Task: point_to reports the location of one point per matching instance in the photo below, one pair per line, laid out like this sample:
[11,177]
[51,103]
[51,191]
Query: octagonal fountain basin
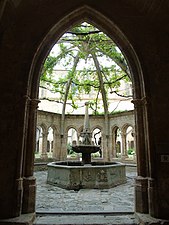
[75,175]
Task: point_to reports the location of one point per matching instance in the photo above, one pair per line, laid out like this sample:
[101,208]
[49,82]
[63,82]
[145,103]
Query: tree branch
[84,33]
[124,96]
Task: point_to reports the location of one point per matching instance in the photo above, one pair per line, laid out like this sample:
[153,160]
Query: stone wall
[122,121]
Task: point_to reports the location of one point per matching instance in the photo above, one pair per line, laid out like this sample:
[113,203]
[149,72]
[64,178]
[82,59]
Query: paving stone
[119,198]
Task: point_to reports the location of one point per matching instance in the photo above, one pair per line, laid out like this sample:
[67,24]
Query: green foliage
[69,149]
[84,41]
[131,151]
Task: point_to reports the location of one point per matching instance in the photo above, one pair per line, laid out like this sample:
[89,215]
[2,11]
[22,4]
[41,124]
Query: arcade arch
[128,141]
[72,139]
[50,139]
[39,132]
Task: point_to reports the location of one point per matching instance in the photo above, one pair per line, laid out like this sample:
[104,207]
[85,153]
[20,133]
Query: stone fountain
[86,147]
[86,174]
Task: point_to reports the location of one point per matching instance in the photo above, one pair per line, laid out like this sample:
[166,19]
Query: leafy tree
[85,43]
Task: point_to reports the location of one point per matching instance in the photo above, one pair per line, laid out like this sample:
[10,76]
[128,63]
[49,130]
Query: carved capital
[34,103]
[26,98]
[140,102]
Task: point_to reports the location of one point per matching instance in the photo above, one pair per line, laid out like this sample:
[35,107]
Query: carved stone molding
[102,176]
[34,103]
[140,102]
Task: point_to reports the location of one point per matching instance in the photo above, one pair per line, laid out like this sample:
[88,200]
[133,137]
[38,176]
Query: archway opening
[71,132]
[72,139]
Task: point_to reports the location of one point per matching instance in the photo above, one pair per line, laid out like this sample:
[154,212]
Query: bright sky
[82,63]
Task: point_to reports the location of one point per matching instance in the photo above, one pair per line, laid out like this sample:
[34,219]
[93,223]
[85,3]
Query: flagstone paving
[54,199]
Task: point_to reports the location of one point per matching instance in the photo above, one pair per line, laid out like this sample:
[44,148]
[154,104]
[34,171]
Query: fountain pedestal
[86,151]
[86,174]
[86,147]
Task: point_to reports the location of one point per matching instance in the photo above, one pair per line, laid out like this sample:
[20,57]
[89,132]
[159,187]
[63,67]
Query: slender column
[57,146]
[152,173]
[44,145]
[105,147]
[124,146]
[110,147]
[113,145]
[29,186]
[134,138]
[63,150]
[141,184]
[54,145]
[18,190]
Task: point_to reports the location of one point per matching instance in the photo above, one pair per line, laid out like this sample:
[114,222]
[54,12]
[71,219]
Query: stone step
[87,219]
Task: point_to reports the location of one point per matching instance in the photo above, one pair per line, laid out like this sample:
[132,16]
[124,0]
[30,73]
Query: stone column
[44,145]
[110,147]
[141,183]
[104,147]
[63,149]
[56,146]
[124,146]
[153,186]
[29,185]
[134,136]
[113,145]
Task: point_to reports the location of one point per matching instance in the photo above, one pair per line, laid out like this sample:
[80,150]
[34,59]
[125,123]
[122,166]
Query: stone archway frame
[90,15]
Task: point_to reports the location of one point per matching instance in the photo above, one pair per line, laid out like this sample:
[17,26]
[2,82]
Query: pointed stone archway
[28,108]
[86,13]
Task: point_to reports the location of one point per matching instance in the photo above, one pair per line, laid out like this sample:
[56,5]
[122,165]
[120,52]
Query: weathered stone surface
[87,176]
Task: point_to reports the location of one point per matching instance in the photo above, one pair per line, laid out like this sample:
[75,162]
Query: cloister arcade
[120,143]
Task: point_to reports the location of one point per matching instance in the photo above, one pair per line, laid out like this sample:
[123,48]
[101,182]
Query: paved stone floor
[56,206]
[54,199]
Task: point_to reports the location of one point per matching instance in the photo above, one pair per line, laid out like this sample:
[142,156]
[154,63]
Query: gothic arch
[97,127]
[88,14]
[52,126]
[43,126]
[125,126]
[128,140]
[71,127]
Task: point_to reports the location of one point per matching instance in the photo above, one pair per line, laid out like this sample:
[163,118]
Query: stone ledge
[24,219]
